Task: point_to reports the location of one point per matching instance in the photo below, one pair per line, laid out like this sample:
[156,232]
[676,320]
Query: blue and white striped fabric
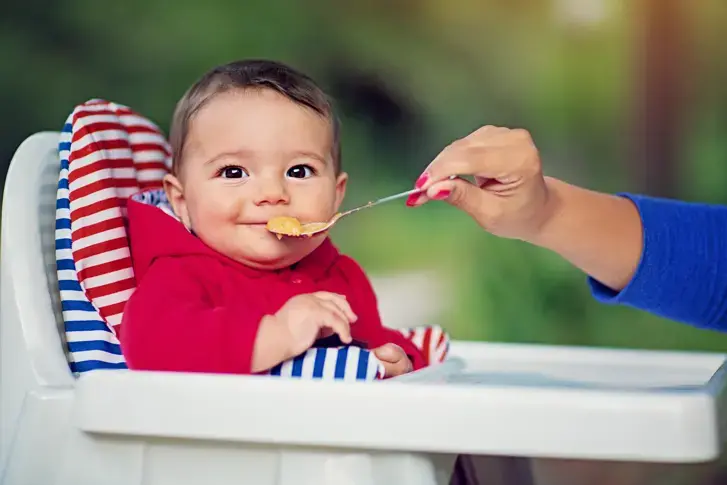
[344,363]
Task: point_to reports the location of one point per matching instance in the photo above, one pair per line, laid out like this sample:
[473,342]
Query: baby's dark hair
[250,74]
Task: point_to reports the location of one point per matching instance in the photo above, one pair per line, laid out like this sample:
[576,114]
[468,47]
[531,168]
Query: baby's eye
[300,172]
[233,172]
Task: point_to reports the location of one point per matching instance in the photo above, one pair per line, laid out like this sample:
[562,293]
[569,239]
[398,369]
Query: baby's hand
[395,360]
[304,318]
[509,198]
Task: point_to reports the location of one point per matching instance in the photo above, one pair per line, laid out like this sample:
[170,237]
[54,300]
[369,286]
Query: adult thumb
[460,193]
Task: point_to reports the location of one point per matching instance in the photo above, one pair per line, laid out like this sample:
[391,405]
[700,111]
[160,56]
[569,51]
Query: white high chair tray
[496,399]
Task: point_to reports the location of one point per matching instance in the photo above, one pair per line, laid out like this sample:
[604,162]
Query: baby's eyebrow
[244,154]
[309,154]
[240,154]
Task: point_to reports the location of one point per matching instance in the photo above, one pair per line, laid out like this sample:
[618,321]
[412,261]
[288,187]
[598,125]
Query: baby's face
[250,156]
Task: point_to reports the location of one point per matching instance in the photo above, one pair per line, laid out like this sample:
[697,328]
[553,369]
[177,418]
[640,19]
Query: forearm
[600,234]
[663,256]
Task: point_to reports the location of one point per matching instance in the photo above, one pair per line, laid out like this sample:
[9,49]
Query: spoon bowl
[292,227]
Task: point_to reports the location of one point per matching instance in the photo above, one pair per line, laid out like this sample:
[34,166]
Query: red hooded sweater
[196,310]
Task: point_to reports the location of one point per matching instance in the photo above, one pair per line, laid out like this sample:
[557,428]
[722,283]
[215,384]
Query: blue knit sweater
[682,274]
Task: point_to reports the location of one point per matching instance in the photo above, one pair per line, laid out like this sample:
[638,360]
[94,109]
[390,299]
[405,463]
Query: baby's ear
[175,196]
[341,182]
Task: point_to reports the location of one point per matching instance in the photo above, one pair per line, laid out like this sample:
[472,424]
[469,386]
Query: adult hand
[509,197]
[599,233]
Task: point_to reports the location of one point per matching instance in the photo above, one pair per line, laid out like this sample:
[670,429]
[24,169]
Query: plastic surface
[119,427]
[489,399]
[582,403]
[30,321]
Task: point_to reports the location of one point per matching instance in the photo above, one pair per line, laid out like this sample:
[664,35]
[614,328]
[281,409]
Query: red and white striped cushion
[114,153]
[431,340]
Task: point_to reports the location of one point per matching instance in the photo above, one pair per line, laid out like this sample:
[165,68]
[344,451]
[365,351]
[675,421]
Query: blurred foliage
[409,77]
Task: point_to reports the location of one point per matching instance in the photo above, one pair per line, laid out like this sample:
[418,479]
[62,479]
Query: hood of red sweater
[154,232]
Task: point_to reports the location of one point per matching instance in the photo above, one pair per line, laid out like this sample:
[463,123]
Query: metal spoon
[292,227]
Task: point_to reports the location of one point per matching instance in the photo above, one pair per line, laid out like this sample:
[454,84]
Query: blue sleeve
[682,274]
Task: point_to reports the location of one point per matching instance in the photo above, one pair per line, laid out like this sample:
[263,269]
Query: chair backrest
[31,325]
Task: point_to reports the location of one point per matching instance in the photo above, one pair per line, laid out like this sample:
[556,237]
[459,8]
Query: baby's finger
[329,295]
[393,369]
[340,301]
[338,325]
[335,309]
[389,353]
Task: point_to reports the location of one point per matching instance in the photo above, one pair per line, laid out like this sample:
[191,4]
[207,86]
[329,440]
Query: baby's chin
[277,256]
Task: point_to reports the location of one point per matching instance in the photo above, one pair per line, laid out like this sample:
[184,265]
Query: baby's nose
[271,192]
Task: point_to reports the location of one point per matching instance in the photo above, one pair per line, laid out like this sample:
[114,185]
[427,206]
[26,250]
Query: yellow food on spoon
[284,226]
[312,227]
[290,226]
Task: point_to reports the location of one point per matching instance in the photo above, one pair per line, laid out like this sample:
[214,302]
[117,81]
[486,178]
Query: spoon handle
[388,198]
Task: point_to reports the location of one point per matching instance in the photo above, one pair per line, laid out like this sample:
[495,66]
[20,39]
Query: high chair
[114,426]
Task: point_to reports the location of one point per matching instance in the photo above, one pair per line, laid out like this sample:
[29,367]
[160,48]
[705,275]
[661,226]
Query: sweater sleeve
[682,274]
[370,328]
[170,324]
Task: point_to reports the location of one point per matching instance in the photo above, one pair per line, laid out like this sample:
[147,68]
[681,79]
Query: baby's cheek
[209,219]
[220,210]
[317,200]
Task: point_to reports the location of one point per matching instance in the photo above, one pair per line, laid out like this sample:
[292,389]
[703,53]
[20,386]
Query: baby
[217,292]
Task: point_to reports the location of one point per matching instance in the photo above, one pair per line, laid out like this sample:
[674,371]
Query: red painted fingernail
[412,199]
[421,180]
[442,194]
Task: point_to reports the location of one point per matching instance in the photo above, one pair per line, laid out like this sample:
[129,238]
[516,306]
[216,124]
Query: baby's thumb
[388,352]
[459,193]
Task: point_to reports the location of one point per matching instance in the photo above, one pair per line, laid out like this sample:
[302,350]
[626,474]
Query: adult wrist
[546,227]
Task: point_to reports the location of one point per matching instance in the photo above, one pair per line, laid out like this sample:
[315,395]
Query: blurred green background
[619,95]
